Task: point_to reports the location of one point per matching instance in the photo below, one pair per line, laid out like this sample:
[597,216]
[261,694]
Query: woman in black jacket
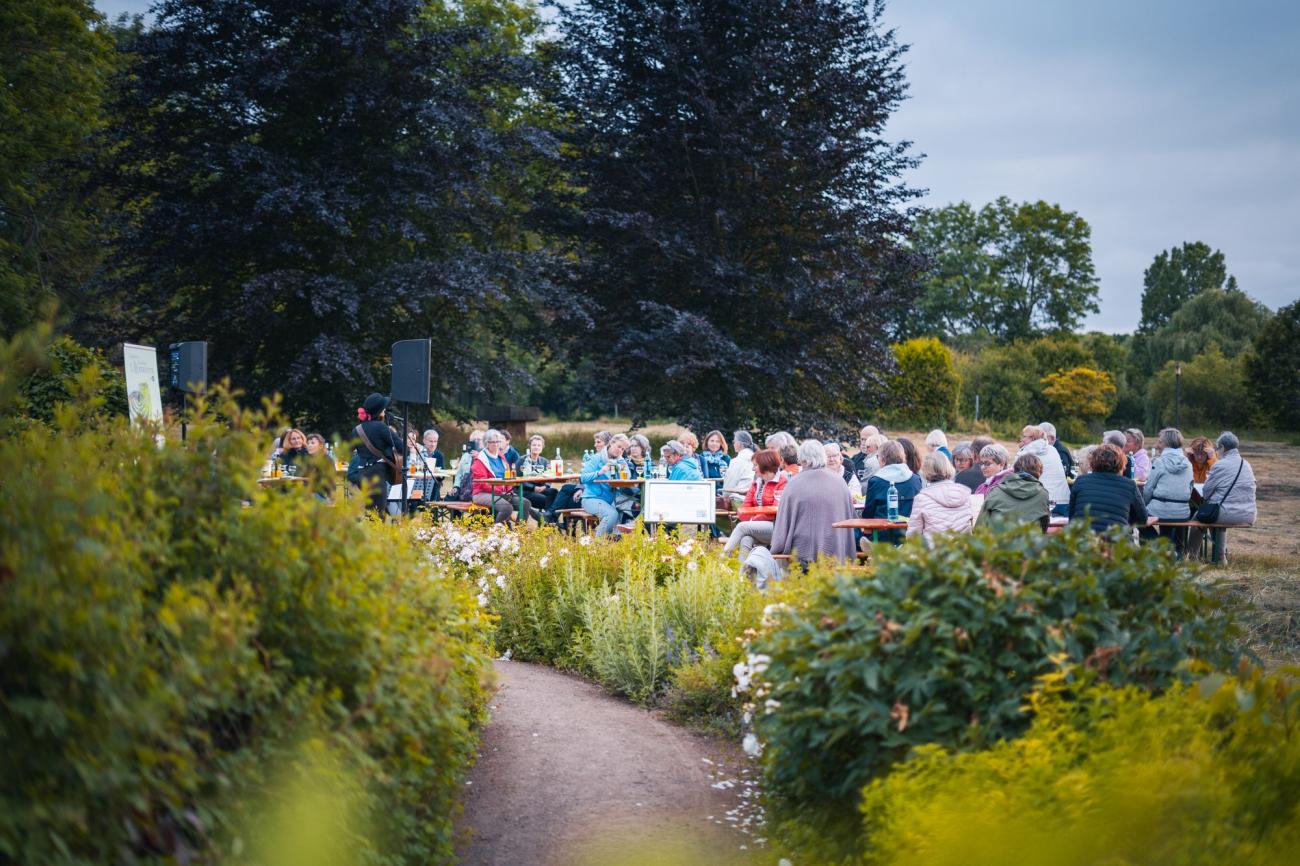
[1105,496]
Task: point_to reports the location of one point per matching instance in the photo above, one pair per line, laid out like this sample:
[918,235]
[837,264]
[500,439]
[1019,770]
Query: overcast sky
[1158,121]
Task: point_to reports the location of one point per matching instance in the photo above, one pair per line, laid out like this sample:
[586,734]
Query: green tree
[1175,277]
[1012,271]
[1213,392]
[1228,318]
[927,384]
[1273,368]
[1081,393]
[55,62]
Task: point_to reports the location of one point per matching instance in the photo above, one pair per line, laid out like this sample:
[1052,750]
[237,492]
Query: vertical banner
[143,394]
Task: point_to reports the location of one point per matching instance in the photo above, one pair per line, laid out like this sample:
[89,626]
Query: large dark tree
[314,179]
[1272,368]
[736,207]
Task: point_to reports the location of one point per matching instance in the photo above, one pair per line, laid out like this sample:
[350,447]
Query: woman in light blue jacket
[1168,489]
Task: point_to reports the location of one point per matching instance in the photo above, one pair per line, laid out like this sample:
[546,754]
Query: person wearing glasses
[994,461]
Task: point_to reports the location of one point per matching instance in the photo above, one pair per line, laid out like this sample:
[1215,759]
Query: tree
[1228,318]
[314,181]
[1213,392]
[1081,393]
[1175,277]
[55,61]
[927,385]
[1012,271]
[735,211]
[1273,368]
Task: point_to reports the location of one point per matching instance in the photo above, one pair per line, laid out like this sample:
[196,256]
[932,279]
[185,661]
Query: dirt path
[571,775]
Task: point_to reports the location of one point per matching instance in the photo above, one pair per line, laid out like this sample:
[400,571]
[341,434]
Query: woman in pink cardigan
[943,505]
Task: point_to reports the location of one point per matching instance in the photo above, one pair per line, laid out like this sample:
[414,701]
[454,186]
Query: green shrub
[1208,774]
[166,648]
[945,643]
[927,384]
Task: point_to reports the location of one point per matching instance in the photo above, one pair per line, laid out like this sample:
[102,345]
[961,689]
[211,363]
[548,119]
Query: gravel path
[570,775]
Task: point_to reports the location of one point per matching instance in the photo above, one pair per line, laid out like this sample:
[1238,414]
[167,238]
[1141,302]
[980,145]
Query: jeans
[607,513]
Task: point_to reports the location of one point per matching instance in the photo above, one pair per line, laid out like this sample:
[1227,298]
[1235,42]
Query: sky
[1157,121]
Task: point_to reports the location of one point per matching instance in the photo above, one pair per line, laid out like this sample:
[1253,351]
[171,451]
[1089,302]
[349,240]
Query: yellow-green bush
[172,632]
[1206,774]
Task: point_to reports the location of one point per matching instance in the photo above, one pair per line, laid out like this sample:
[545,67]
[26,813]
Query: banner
[143,394]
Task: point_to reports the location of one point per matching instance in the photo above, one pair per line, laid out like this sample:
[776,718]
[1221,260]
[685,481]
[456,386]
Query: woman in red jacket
[768,484]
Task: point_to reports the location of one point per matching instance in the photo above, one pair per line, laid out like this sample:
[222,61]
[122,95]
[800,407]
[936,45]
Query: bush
[66,368]
[944,645]
[1271,368]
[1203,775]
[166,649]
[1214,392]
[927,384]
[1082,394]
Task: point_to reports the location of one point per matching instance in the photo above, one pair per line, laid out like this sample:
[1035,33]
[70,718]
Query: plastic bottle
[661,471]
[891,502]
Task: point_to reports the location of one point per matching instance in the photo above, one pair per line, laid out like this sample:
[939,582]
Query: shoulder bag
[394,465]
[1209,512]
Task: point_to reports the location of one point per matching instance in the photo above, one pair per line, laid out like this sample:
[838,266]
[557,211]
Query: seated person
[1067,459]
[994,461]
[1230,484]
[789,460]
[1168,491]
[911,456]
[740,471]
[812,503]
[597,495]
[867,461]
[1200,452]
[1034,441]
[893,473]
[293,450]
[714,459]
[968,471]
[836,463]
[1135,447]
[434,459]
[935,440]
[466,462]
[532,464]
[1104,495]
[1021,496]
[570,495]
[681,465]
[769,483]
[1120,441]
[500,498]
[942,505]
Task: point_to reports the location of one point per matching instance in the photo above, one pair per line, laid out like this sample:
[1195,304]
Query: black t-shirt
[380,436]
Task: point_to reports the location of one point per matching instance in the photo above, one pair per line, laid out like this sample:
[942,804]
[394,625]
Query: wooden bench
[570,518]
[1213,538]
[455,506]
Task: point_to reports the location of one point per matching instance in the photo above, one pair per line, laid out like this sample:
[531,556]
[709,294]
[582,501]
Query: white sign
[143,394]
[679,502]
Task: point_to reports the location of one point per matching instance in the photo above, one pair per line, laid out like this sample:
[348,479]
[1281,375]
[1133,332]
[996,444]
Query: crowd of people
[791,493]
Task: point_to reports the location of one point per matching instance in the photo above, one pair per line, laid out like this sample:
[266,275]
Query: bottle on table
[891,503]
[557,465]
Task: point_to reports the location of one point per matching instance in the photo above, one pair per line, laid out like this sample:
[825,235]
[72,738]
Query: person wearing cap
[375,471]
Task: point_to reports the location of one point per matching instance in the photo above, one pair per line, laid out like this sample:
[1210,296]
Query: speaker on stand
[411,381]
[189,370]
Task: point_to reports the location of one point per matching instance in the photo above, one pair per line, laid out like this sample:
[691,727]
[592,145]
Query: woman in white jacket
[740,471]
[1034,441]
[943,505]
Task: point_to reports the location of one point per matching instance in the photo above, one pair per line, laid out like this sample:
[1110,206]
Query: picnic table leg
[1217,538]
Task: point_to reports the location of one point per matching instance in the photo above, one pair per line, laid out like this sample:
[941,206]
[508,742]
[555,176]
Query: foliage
[1273,368]
[1230,319]
[1213,392]
[307,183]
[1201,775]
[1176,276]
[733,198]
[1012,271]
[168,647]
[1081,393]
[56,63]
[945,643]
[926,386]
[61,379]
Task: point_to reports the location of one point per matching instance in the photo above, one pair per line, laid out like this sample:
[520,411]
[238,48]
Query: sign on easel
[143,393]
[679,502]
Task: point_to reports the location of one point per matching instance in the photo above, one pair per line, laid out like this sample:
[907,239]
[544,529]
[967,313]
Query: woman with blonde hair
[935,440]
[1200,452]
[943,505]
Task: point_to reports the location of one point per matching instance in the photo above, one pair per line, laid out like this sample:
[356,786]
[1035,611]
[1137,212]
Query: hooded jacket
[1053,477]
[740,473]
[1168,491]
[907,483]
[944,506]
[1019,497]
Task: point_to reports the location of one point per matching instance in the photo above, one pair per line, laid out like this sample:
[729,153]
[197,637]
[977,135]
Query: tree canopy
[1175,277]
[735,212]
[1012,271]
[1273,367]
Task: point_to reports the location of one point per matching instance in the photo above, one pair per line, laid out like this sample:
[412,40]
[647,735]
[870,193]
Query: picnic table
[518,483]
[754,512]
[874,525]
[274,481]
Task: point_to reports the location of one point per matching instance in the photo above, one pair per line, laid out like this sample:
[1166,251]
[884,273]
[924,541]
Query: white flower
[482,600]
[585,540]
[684,549]
[770,706]
[506,655]
[751,745]
[758,663]
[541,563]
[692,566]
[784,862]
[740,670]
[501,581]
[564,551]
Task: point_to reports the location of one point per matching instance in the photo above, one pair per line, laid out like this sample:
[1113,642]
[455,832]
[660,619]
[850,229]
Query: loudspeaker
[189,366]
[411,360]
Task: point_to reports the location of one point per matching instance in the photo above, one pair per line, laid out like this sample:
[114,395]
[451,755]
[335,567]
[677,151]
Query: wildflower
[684,549]
[758,663]
[541,563]
[770,706]
[482,600]
[501,581]
[692,566]
[585,541]
[751,745]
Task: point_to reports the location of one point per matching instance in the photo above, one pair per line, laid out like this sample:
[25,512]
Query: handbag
[394,465]
[1209,512]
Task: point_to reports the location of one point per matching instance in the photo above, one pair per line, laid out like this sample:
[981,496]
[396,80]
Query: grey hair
[604,437]
[935,467]
[834,445]
[493,435]
[812,454]
[936,439]
[672,446]
[1227,441]
[621,439]
[1171,437]
[779,438]
[963,452]
[477,434]
[743,439]
[536,437]
[997,453]
[425,434]
[1114,437]
[1048,428]
[644,443]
